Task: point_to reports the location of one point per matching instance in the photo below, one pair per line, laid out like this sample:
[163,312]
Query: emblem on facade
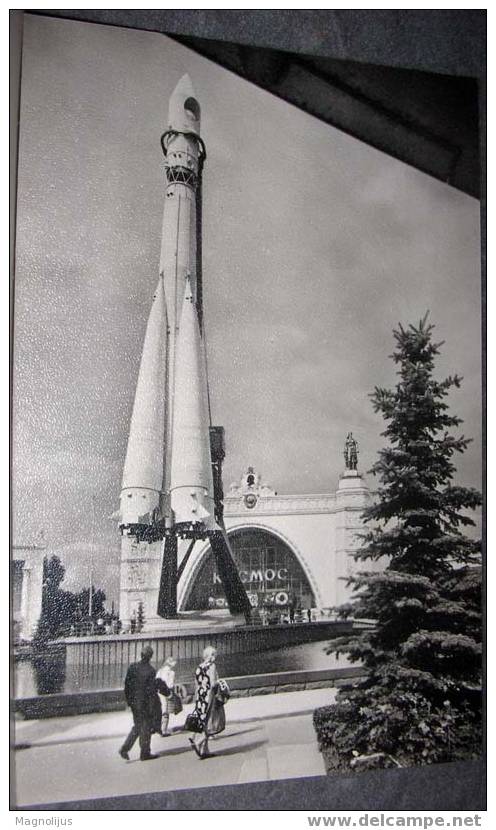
[250,500]
[251,485]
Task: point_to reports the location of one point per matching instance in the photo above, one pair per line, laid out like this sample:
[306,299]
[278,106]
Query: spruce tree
[140,620]
[420,699]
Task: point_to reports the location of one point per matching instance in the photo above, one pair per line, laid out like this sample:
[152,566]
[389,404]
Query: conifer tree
[140,620]
[420,700]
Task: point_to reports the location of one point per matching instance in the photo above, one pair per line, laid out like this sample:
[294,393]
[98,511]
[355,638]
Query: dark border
[451,41]
[457,786]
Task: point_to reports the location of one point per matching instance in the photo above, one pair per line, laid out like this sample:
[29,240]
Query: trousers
[142,729]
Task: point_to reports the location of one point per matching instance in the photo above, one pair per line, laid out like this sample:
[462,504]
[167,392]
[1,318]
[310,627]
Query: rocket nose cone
[184,109]
[184,88]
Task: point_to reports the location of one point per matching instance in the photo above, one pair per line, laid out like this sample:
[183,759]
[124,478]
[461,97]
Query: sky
[315,246]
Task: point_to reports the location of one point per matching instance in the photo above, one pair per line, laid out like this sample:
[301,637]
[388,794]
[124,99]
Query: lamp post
[90,596]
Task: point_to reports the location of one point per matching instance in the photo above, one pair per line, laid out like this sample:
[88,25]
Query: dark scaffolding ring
[201,144]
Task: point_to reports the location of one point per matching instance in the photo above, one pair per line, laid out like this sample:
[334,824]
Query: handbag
[162,688]
[192,723]
[155,713]
[216,721]
[222,692]
[175,701]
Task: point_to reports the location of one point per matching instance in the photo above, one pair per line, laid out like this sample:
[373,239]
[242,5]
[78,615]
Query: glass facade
[271,573]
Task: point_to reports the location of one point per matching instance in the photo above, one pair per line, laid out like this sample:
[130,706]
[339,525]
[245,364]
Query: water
[51,675]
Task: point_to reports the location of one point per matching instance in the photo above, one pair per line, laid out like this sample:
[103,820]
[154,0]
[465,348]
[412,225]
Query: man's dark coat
[140,690]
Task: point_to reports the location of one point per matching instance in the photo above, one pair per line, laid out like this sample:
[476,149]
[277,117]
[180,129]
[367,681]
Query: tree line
[61,609]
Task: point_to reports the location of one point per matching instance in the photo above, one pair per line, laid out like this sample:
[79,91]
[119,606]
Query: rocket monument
[171,493]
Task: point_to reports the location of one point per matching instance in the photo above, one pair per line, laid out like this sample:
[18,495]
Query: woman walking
[171,705]
[210,695]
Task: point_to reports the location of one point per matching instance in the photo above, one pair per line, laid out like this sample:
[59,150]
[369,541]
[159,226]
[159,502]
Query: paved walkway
[268,737]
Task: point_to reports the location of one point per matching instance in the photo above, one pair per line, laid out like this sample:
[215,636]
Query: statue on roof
[350,452]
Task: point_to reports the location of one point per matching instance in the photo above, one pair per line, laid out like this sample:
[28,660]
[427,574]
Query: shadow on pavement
[219,753]
[235,750]
[227,734]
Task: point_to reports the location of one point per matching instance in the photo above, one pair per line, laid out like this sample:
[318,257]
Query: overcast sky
[315,247]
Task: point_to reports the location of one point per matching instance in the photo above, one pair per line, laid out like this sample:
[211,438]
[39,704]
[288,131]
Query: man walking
[140,690]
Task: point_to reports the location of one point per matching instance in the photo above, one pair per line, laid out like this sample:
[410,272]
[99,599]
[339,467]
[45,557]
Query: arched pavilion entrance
[273,577]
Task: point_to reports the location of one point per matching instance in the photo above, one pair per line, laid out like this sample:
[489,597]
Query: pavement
[267,738]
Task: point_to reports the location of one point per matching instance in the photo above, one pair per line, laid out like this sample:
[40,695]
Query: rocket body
[178,255]
[168,451]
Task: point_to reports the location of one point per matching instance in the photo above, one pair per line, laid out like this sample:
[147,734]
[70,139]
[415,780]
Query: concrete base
[195,620]
[183,640]
[351,480]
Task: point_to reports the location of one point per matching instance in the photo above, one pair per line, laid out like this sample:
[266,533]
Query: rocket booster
[167,473]
[142,479]
[191,487]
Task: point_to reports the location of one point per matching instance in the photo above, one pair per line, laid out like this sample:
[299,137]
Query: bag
[162,687]
[175,703]
[193,723]
[222,692]
[155,714]
[216,721]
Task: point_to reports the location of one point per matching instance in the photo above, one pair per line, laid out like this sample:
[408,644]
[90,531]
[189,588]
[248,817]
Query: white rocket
[167,472]
[191,485]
